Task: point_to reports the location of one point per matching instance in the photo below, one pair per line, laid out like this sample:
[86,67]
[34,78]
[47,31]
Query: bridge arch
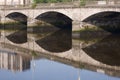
[66,12]
[18,12]
[18,34]
[55,18]
[101,14]
[107,20]
[17,16]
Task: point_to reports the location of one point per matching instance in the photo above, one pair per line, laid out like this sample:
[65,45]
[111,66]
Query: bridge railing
[71,4]
[3,7]
[102,3]
[55,5]
[80,3]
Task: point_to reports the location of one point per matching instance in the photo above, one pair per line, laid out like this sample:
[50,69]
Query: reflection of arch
[59,41]
[105,51]
[108,20]
[17,16]
[55,18]
[18,37]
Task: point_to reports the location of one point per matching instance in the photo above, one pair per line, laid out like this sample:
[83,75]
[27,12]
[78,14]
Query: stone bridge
[73,15]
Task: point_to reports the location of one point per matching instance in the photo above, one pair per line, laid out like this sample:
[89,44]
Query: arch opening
[16,28]
[56,19]
[108,21]
[16,16]
[58,28]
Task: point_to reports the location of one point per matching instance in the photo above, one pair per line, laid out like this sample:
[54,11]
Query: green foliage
[34,53]
[82,2]
[34,5]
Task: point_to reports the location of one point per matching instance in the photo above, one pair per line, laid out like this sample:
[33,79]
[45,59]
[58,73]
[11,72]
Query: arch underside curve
[107,20]
[17,16]
[55,18]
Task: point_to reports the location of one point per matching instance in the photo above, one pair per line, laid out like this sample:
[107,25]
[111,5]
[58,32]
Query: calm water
[96,59]
[50,70]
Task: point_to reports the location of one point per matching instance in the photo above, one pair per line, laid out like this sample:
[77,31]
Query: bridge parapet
[72,4]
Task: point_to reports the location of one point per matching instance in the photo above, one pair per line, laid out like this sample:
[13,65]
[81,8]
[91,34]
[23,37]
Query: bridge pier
[75,25]
[31,22]
[78,25]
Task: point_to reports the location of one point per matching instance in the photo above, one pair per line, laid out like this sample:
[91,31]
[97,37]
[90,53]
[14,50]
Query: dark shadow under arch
[55,18]
[108,20]
[20,17]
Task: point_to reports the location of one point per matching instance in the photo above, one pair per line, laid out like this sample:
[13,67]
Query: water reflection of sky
[49,70]
[89,75]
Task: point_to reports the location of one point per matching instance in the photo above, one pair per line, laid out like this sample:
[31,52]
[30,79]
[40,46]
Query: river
[57,54]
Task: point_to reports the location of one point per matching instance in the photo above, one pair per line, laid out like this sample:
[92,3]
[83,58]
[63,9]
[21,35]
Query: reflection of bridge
[13,61]
[75,57]
[77,15]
